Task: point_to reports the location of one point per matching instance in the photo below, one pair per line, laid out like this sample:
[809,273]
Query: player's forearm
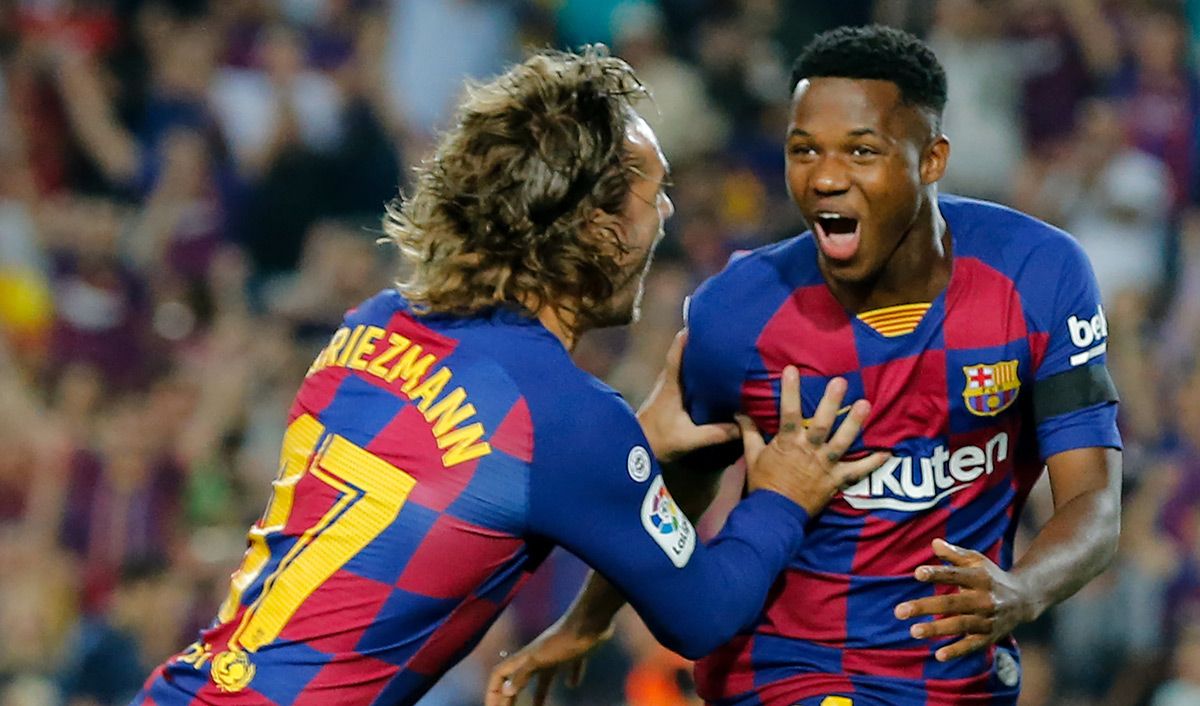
[1075,546]
[599,601]
[594,608]
[727,589]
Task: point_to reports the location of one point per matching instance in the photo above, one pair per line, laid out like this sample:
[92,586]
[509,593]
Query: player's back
[952,384]
[393,535]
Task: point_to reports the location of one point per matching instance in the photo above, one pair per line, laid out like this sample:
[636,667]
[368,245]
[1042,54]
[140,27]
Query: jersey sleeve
[597,491]
[1074,399]
[711,372]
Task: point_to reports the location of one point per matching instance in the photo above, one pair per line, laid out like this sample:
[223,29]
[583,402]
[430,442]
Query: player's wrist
[1031,602]
[587,625]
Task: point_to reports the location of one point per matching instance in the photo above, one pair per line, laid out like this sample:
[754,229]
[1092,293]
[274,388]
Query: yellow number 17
[371,493]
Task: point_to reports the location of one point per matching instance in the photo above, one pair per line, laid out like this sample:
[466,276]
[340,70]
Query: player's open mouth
[837,235]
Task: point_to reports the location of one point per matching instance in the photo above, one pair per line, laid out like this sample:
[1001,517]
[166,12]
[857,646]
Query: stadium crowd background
[190,194]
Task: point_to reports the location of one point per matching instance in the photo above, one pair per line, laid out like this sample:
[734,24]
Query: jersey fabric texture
[1005,369]
[430,464]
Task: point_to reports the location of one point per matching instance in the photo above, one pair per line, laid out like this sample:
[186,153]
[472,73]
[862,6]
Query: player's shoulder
[741,298]
[775,268]
[569,397]
[378,309]
[1004,237]
[579,421]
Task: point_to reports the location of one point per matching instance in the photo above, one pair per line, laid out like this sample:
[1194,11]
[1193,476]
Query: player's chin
[854,271]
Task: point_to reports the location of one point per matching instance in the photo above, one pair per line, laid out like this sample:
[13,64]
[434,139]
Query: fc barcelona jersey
[972,394]
[429,465]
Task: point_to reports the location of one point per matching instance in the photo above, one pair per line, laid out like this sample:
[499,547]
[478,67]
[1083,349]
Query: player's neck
[918,270]
[559,323]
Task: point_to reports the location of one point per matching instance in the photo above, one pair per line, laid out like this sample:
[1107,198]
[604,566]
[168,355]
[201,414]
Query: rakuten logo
[912,483]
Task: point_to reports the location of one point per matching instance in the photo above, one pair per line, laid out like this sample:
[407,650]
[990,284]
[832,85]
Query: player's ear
[934,159]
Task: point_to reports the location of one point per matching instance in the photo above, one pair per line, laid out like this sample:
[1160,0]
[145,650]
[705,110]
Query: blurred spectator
[983,76]
[102,303]
[1181,326]
[1159,94]
[436,45]
[124,495]
[589,21]
[112,651]
[277,101]
[1184,687]
[341,266]
[1114,660]
[1064,47]
[687,123]
[1114,198]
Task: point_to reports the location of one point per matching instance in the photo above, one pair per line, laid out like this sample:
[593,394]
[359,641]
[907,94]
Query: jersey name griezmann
[405,366]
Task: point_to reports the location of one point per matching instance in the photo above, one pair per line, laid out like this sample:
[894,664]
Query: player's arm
[693,458]
[1076,545]
[694,439]
[616,523]
[1080,539]
[700,385]
[1075,411]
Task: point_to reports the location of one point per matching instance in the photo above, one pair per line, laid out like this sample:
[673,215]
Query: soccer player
[978,334]
[443,442]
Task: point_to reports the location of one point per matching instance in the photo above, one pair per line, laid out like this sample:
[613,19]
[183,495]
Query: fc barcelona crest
[991,387]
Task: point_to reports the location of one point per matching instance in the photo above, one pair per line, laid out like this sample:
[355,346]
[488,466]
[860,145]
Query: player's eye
[864,151]
[801,150]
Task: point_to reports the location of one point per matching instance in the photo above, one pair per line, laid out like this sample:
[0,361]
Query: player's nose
[829,177]
[666,208]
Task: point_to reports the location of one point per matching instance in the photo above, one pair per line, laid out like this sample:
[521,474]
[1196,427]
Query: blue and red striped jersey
[430,463]
[1005,369]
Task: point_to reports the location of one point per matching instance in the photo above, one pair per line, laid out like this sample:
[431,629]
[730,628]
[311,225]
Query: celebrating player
[443,442]
[978,334]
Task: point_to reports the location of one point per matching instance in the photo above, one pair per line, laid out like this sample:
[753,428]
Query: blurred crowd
[190,198]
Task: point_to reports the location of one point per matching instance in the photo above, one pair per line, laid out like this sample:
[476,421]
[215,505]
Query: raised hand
[989,603]
[668,428]
[804,463]
[559,647]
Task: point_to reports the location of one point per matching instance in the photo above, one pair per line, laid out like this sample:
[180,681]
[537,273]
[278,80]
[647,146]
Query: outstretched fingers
[851,472]
[848,431]
[791,418]
[827,409]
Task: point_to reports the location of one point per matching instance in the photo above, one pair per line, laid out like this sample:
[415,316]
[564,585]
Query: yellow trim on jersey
[892,321]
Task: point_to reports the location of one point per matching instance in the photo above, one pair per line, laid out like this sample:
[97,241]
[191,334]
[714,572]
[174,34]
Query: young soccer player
[978,334]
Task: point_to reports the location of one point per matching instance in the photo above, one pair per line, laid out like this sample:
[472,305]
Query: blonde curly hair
[505,210]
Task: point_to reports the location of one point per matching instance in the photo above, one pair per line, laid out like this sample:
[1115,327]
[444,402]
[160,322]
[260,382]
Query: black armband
[1072,390]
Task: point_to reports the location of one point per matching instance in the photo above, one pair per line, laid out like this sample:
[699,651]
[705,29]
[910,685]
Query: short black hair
[880,53]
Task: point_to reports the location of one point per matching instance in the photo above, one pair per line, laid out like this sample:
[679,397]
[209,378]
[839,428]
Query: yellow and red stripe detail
[892,321]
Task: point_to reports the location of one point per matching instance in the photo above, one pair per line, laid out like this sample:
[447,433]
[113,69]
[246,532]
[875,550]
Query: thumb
[714,434]
[752,440]
[675,354]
